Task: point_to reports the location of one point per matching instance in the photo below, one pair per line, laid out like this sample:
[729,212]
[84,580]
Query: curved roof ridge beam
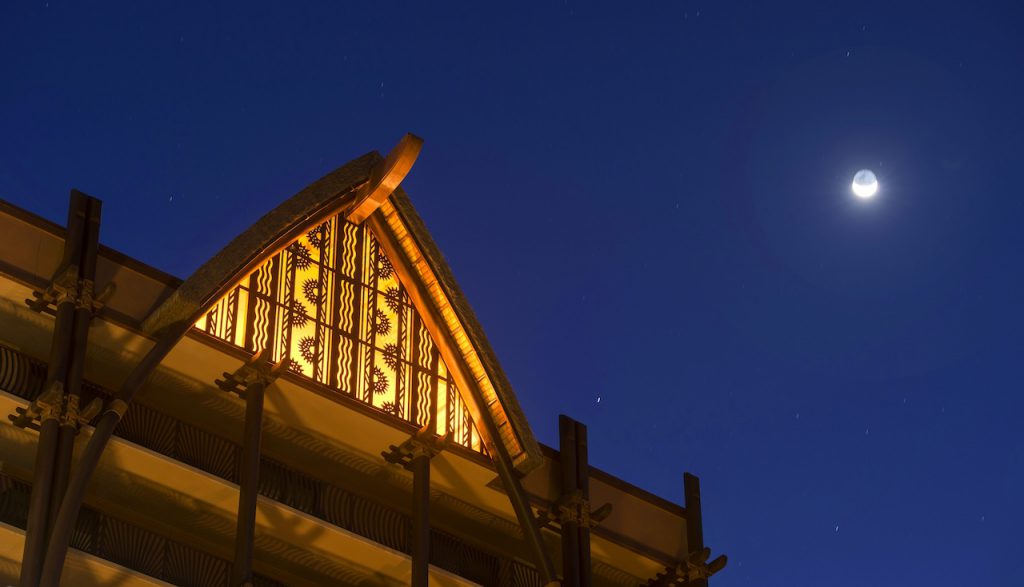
[362,184]
[385,178]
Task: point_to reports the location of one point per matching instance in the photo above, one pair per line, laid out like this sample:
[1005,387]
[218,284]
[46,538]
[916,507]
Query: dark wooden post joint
[694,571]
[65,288]
[422,443]
[258,369]
[573,508]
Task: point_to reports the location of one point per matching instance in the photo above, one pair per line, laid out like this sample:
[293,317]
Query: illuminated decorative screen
[335,310]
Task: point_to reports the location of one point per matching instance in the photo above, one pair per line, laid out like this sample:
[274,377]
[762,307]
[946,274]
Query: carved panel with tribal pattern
[333,308]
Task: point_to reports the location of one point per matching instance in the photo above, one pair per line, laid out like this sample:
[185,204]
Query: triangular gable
[337,312]
[358,205]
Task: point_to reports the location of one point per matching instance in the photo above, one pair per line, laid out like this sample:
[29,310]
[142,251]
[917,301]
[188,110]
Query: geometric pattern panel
[331,305]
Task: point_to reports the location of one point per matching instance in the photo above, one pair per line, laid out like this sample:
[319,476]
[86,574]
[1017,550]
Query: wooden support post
[583,484]
[694,521]
[53,456]
[575,515]
[414,455]
[35,533]
[61,469]
[241,573]
[420,519]
[250,382]
[84,310]
[570,488]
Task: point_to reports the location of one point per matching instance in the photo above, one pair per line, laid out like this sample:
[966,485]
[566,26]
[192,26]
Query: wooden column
[420,467]
[69,291]
[694,520]
[42,481]
[249,478]
[414,455]
[249,382]
[84,311]
[575,503]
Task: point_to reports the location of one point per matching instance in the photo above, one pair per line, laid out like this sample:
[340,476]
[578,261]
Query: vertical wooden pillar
[61,468]
[249,478]
[583,483]
[420,467]
[42,481]
[84,311]
[694,521]
[570,527]
[414,455]
[575,475]
[70,290]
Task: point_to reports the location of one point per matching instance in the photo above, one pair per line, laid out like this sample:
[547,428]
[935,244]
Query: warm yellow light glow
[334,309]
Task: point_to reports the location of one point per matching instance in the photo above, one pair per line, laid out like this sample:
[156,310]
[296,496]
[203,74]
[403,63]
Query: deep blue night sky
[648,206]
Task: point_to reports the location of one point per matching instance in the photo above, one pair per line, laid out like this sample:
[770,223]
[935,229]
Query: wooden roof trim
[356,188]
[270,234]
[457,331]
[47,225]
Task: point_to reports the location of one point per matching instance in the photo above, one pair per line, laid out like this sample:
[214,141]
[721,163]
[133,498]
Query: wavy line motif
[425,346]
[348,257]
[345,364]
[423,401]
[345,306]
[259,326]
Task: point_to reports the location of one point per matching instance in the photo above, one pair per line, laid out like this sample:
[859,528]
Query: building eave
[428,266]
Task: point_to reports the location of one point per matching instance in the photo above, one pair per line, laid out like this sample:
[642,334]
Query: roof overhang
[642,535]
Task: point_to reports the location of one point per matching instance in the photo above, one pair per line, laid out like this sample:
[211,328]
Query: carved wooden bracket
[423,443]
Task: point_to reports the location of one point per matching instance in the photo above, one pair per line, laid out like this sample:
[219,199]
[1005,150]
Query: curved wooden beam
[359,187]
[385,178]
[269,235]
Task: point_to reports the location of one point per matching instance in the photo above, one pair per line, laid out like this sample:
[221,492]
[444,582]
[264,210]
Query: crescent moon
[865,184]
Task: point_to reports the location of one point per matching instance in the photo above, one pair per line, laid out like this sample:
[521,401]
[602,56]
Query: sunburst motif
[384,266]
[393,298]
[319,236]
[301,255]
[381,322]
[307,346]
[392,355]
[378,382]
[311,289]
[297,314]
